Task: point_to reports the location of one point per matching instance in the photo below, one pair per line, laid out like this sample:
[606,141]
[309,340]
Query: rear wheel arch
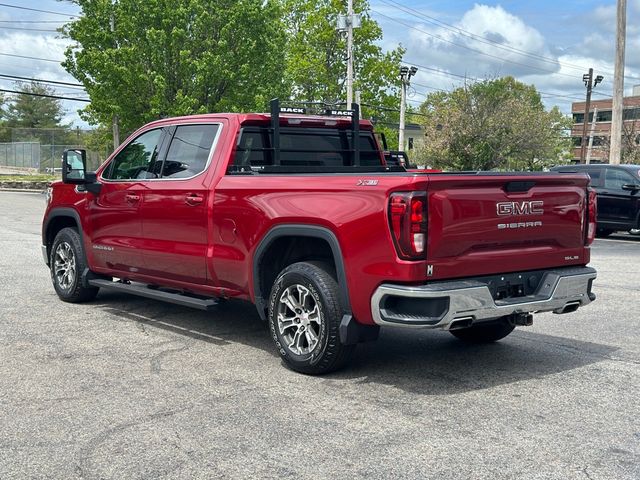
[288,244]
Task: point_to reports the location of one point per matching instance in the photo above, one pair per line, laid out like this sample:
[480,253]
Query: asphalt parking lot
[127,388]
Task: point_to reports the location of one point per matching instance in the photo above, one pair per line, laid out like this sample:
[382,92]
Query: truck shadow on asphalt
[423,362]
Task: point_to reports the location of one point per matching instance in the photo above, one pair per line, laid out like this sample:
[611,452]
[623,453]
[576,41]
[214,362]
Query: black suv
[618,190]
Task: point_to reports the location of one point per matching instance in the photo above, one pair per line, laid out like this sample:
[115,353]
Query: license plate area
[513,285]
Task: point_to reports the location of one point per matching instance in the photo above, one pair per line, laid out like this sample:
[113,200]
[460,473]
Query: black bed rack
[314,108]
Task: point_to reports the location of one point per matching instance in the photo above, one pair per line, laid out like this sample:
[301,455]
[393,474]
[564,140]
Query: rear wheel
[304,319]
[67,262]
[484,332]
[603,232]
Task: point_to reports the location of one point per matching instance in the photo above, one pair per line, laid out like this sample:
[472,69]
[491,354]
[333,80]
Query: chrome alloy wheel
[64,266]
[299,319]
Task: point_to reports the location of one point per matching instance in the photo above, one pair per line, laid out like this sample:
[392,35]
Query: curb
[21,190]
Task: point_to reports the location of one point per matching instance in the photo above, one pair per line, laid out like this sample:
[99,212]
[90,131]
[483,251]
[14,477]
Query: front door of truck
[114,214]
[174,210]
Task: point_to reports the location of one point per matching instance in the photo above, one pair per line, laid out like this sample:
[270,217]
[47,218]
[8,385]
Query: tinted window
[251,150]
[189,151]
[604,116]
[138,160]
[615,178]
[302,148]
[596,175]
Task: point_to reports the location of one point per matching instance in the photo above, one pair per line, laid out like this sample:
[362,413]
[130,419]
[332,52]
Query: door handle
[132,197]
[194,199]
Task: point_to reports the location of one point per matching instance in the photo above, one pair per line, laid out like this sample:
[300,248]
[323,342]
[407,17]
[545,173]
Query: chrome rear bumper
[443,304]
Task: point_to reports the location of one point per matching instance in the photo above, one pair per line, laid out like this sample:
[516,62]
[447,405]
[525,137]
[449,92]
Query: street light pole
[590,83]
[346,24]
[405,76]
[403,111]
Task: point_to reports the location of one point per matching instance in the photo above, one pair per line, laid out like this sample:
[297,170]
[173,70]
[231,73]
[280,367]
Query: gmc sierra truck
[301,215]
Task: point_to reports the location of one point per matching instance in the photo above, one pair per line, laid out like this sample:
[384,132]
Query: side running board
[144,291]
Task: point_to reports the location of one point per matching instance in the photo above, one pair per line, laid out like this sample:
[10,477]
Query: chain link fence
[40,149]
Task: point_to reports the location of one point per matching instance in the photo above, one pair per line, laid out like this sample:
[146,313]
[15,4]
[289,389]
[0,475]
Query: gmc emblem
[506,209]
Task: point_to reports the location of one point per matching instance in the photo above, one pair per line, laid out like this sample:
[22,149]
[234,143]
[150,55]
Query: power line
[467,33]
[31,58]
[478,38]
[480,52]
[38,10]
[57,97]
[475,79]
[56,82]
[28,29]
[33,21]
[393,110]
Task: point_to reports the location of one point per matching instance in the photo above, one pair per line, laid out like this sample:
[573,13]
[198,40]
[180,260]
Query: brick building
[602,126]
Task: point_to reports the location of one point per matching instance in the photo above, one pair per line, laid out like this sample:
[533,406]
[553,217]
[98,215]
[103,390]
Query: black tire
[484,332]
[603,232]
[328,353]
[68,244]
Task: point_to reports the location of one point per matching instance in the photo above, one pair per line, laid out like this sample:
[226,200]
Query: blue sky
[549,44]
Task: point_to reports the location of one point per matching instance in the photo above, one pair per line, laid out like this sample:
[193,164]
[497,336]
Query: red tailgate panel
[476,227]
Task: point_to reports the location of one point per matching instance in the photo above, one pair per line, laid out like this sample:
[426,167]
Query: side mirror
[74,166]
[632,187]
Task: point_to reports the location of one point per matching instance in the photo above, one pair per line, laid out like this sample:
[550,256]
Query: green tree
[316,56]
[493,124]
[32,110]
[178,57]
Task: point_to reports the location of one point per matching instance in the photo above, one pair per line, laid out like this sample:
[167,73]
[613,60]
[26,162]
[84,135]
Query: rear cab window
[302,147]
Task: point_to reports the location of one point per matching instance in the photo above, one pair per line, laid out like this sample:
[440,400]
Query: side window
[596,176]
[252,149]
[189,151]
[138,160]
[614,179]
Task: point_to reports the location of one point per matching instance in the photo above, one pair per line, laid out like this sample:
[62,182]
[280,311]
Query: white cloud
[39,45]
[558,72]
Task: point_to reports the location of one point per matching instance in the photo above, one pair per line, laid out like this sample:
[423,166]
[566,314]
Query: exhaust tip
[568,308]
[460,323]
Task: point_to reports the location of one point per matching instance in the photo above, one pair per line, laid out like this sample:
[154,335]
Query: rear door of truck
[481,224]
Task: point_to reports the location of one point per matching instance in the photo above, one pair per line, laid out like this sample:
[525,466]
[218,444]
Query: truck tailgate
[480,224]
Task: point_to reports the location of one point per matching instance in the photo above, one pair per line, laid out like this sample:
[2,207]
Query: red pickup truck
[289,212]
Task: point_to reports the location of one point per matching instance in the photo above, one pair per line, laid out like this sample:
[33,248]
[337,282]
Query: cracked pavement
[125,387]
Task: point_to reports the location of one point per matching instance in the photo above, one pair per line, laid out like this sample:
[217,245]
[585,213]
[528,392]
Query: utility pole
[615,152]
[346,24]
[590,83]
[405,76]
[593,129]
[349,53]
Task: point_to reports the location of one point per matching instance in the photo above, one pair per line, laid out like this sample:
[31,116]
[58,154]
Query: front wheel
[484,332]
[67,263]
[304,319]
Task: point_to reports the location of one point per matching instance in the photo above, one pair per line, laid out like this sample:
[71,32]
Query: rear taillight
[592,212]
[408,223]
